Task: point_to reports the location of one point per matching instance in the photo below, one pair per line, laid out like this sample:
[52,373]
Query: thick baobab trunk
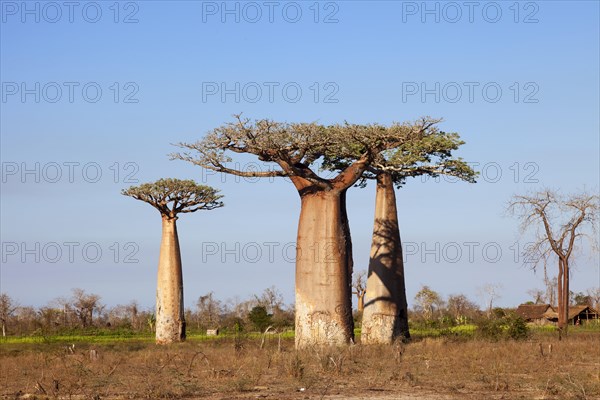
[170,320]
[323,272]
[385,317]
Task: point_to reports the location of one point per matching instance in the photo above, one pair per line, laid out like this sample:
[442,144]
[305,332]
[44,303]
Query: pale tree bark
[170,319]
[361,302]
[359,286]
[171,197]
[323,271]
[385,317]
[324,259]
[324,255]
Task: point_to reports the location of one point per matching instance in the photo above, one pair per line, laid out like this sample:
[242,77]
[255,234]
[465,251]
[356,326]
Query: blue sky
[518,80]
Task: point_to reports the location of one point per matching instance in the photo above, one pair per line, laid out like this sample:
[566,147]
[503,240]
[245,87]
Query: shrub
[490,328]
[260,318]
[516,327]
[508,326]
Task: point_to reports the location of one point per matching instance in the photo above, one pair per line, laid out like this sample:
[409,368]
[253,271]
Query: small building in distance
[544,314]
[582,314]
[537,314]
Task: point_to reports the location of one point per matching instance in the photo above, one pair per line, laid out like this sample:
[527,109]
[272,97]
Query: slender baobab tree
[385,316]
[324,257]
[359,288]
[560,223]
[171,197]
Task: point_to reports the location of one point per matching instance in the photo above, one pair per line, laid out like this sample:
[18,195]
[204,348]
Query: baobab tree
[560,223]
[84,305]
[172,197]
[323,255]
[359,288]
[385,316]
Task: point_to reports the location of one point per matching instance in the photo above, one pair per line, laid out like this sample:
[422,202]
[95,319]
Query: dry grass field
[237,368]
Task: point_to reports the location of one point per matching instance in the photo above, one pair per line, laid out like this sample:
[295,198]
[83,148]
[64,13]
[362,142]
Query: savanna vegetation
[456,349]
[77,347]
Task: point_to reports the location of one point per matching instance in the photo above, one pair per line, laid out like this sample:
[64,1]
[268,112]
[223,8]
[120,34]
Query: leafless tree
[559,224]
[272,299]
[489,293]
[134,311]
[538,295]
[459,306]
[7,308]
[594,294]
[84,305]
[50,317]
[551,289]
[427,300]
[209,311]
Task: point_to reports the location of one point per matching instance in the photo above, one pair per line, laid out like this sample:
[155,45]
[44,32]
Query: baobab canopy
[173,196]
[294,147]
[429,152]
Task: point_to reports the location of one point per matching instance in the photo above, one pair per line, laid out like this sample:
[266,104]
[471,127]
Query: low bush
[503,326]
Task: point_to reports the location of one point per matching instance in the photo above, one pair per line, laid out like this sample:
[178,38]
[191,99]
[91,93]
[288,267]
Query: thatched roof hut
[537,313]
[577,314]
[542,314]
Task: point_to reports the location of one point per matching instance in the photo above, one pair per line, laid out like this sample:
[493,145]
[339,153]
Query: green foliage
[406,149]
[232,324]
[174,196]
[498,312]
[260,318]
[503,326]
[461,331]
[490,328]
[420,148]
[516,327]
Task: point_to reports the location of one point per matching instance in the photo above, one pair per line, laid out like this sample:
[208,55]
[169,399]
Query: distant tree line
[84,311]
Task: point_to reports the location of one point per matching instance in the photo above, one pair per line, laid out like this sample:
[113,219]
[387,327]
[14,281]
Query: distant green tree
[260,318]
